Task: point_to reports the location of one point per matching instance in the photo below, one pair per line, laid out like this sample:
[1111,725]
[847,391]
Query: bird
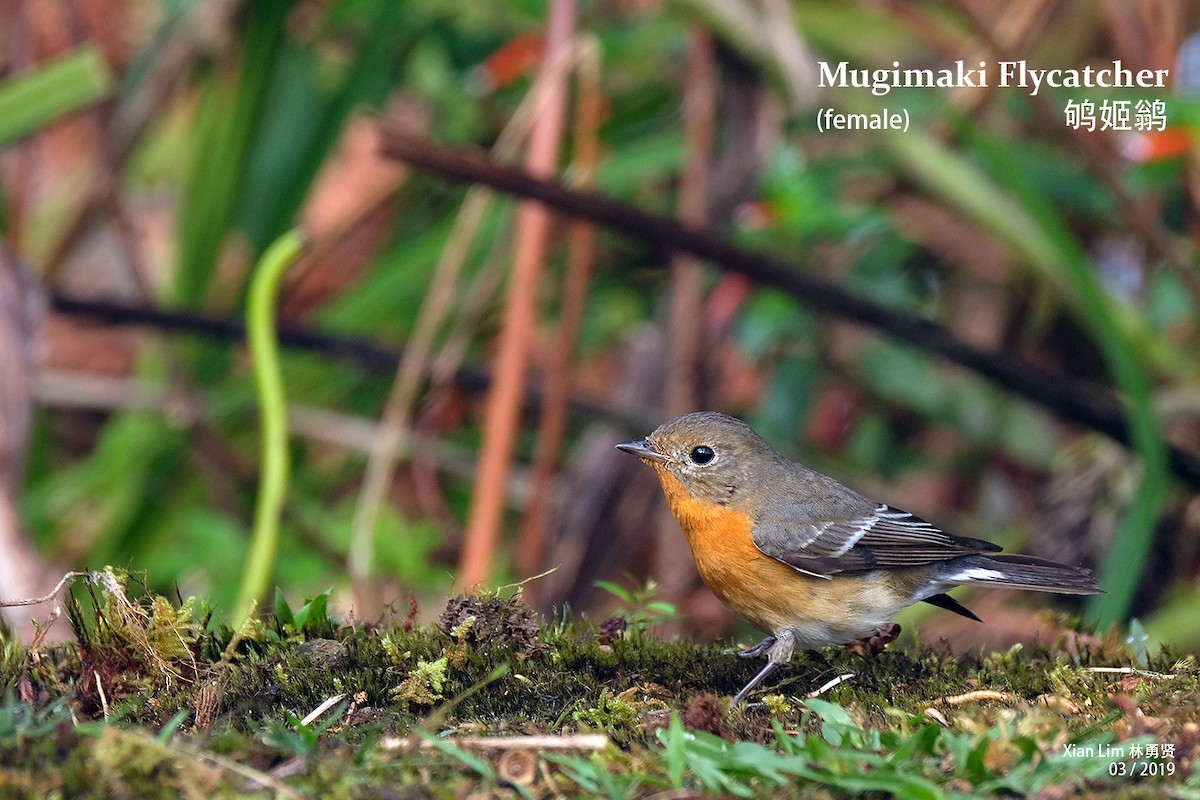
[808,560]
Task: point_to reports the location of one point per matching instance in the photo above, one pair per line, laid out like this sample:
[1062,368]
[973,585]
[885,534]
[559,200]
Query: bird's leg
[755,681]
[758,649]
[781,646]
[873,645]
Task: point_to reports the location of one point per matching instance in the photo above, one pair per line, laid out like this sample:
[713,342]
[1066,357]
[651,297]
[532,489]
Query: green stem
[268,382]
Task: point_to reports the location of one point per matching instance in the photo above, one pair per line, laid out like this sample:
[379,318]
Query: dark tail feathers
[1021,572]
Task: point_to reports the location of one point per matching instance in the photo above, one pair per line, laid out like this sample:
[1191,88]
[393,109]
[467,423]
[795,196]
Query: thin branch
[97,577]
[517,333]
[44,627]
[1091,405]
[367,354]
[578,741]
[329,703]
[685,330]
[687,290]
[581,253]
[75,390]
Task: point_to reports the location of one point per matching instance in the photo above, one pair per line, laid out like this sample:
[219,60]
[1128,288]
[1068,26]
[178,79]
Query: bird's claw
[757,649]
[873,645]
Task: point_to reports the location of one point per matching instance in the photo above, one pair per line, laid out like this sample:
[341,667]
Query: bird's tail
[1021,572]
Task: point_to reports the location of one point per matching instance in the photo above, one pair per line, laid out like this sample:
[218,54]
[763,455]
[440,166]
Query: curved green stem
[268,383]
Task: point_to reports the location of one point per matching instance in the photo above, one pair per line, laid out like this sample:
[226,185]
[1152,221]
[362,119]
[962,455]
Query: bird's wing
[887,538]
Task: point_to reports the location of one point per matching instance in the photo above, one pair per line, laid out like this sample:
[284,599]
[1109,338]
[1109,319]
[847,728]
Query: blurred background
[458,365]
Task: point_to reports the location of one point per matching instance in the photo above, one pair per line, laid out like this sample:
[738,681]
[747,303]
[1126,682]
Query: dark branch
[1092,406]
[368,354]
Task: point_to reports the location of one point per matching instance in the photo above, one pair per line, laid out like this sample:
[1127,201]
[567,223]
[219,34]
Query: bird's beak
[644,450]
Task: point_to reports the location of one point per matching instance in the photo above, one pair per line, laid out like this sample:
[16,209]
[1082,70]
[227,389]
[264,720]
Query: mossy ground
[155,700]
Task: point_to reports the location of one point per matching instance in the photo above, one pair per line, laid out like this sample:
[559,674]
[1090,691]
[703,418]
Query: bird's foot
[873,645]
[758,649]
[779,651]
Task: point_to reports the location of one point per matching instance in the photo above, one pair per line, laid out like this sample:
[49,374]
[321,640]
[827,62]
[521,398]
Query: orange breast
[767,593]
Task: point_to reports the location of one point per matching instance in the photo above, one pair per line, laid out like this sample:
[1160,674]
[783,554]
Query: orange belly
[769,594]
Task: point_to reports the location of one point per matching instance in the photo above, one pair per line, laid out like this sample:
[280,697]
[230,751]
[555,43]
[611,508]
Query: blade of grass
[468,760]
[301,127]
[1027,224]
[227,118]
[52,89]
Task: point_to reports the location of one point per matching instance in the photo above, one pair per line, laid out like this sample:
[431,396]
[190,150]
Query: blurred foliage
[258,116]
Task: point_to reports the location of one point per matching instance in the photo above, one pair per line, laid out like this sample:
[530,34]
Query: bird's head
[713,456]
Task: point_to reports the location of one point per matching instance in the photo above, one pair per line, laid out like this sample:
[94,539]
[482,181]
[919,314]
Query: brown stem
[518,329]
[673,563]
[581,250]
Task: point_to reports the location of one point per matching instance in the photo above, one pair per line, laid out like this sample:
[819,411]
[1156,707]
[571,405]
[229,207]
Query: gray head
[714,456]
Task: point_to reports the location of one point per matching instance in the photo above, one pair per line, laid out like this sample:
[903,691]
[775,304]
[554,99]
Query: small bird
[807,559]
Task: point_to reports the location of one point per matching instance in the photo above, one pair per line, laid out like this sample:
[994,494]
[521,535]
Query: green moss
[424,685]
[615,714]
[488,668]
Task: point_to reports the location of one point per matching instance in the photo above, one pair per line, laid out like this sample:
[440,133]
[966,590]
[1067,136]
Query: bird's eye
[702,454]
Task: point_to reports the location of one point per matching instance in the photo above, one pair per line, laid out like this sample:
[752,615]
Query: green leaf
[227,120]
[675,750]
[923,741]
[283,612]
[172,725]
[52,89]
[976,768]
[831,712]
[620,592]
[314,611]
